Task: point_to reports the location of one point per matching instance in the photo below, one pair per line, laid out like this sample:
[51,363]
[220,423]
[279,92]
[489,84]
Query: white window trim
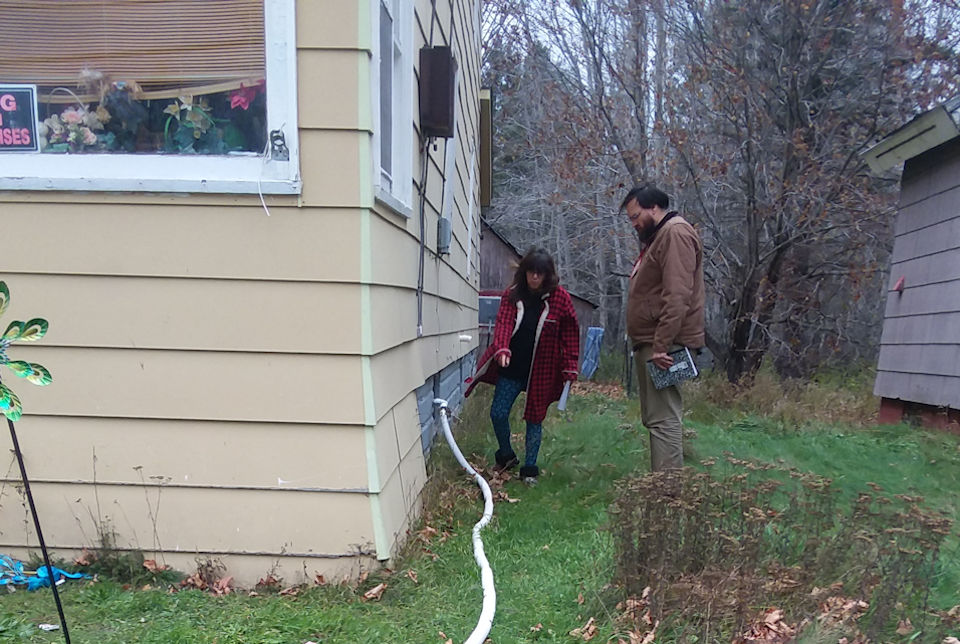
[247,173]
[399,197]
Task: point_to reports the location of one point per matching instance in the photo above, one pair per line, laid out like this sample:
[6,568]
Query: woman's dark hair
[539,261]
[647,196]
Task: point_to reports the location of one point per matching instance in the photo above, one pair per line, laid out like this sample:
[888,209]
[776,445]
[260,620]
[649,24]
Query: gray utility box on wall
[444,235]
[438,84]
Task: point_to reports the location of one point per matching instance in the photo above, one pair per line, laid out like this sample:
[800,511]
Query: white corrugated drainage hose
[485,622]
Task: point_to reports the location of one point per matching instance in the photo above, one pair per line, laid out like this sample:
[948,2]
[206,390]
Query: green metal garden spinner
[10,406]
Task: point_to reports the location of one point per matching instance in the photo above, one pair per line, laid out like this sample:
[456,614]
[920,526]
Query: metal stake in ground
[36,525]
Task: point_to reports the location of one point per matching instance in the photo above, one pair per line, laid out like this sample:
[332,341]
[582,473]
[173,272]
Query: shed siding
[920,345]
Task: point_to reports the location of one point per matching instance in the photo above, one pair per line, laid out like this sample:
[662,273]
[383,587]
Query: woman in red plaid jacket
[535,348]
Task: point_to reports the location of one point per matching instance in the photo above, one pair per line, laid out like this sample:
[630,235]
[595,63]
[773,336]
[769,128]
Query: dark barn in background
[498,262]
[918,373]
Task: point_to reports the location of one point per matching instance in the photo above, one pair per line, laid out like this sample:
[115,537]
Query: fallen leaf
[585,632]
[537,628]
[904,627]
[292,591]
[376,592]
[85,558]
[579,598]
[320,580]
[154,567]
[951,640]
[268,582]
[773,616]
[222,586]
[427,534]
[412,574]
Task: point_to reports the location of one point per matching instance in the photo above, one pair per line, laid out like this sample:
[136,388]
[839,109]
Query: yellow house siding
[202,521]
[220,454]
[330,160]
[329,88]
[330,24]
[200,385]
[193,314]
[185,239]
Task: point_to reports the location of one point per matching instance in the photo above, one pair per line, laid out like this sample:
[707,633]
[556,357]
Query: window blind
[166,47]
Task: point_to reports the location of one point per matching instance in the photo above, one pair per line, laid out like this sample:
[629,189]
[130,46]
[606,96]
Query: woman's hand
[503,360]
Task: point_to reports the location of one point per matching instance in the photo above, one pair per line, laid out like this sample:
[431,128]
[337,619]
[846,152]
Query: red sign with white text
[18,118]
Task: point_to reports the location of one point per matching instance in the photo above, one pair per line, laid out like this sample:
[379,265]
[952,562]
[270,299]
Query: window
[160,96]
[393,103]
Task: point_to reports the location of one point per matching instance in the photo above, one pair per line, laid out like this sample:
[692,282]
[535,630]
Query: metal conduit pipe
[485,622]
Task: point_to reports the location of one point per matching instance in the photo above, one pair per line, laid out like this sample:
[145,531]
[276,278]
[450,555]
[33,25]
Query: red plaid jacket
[555,356]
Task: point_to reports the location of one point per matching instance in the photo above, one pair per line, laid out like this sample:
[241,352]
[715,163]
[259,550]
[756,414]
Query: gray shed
[919,365]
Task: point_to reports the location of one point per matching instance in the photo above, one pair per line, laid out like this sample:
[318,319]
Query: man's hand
[504,360]
[662,360]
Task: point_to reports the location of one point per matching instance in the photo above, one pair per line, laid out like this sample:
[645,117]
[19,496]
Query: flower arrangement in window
[225,122]
[76,129]
[191,128]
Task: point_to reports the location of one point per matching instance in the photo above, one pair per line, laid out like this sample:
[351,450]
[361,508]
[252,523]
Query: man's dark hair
[646,196]
[539,261]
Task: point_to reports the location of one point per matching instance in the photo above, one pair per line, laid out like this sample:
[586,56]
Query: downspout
[422,187]
[425,151]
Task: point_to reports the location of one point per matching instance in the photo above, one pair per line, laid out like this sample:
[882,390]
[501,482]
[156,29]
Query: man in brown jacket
[664,312]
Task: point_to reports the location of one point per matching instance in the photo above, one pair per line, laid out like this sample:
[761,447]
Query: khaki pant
[661,412]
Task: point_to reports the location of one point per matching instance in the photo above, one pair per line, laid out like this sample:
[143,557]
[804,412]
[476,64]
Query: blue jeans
[503,398]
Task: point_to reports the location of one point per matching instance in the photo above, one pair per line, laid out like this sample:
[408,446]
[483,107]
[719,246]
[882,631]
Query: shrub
[717,550]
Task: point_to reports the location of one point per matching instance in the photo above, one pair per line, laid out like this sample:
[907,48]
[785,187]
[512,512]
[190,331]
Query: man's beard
[647,233]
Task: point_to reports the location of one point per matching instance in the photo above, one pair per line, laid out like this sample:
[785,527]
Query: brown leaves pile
[155,568]
[85,558]
[769,628]
[607,389]
[219,587]
[585,632]
[636,619]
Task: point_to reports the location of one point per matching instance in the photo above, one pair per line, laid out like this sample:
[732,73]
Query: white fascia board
[924,132]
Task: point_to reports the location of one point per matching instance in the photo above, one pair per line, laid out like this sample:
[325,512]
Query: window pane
[386,92]
[176,77]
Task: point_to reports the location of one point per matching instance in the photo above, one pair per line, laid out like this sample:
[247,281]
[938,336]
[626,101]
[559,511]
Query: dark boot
[529,474]
[505,461]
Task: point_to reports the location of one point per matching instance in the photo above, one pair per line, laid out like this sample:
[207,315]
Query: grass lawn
[551,556]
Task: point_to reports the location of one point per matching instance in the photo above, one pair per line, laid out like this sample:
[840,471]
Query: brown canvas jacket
[666,296]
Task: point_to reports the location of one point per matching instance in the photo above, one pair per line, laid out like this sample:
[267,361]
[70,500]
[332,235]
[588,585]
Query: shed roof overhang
[924,132]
